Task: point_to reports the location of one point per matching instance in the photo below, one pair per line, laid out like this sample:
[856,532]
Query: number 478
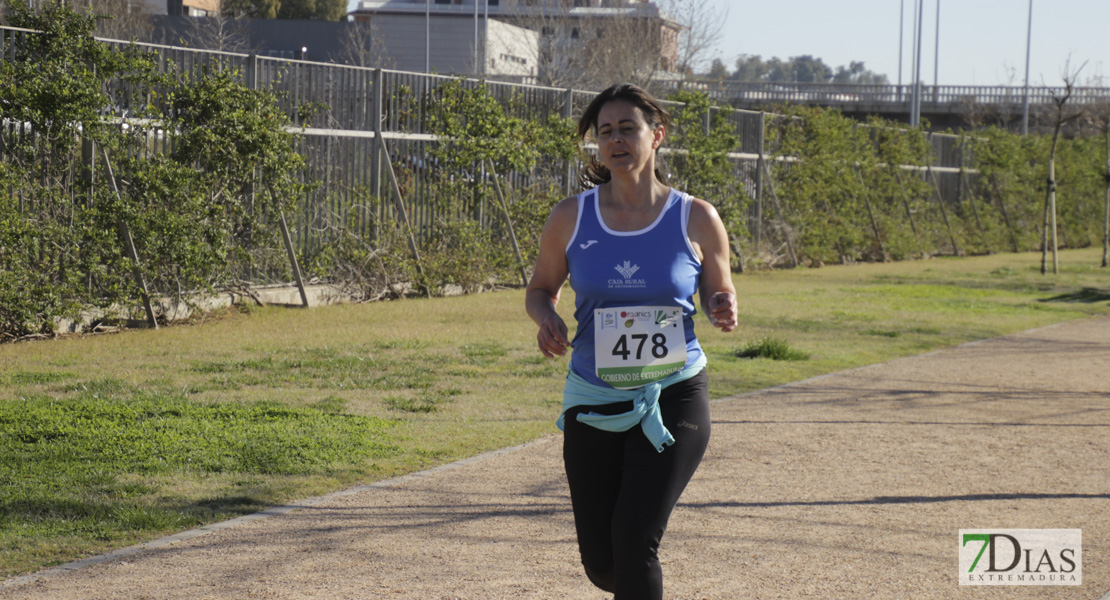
[658,345]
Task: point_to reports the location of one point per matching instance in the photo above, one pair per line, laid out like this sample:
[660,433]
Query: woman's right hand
[552,337]
[547,281]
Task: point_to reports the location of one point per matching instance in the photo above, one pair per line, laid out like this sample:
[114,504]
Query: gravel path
[851,485]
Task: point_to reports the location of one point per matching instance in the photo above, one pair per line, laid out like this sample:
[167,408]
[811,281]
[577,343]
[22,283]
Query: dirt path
[852,485]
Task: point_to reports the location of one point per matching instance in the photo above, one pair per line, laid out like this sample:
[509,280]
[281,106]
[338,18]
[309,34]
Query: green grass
[110,440]
[97,467]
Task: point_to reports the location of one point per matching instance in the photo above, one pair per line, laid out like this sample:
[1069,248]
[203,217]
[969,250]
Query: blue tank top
[655,266]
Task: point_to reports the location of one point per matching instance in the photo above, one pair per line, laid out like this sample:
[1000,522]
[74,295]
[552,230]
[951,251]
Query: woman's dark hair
[595,173]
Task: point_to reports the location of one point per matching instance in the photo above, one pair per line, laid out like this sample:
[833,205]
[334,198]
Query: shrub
[79,189]
[771,348]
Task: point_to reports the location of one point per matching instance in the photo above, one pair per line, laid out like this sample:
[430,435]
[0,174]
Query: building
[393,42]
[321,41]
[453,45]
[575,37]
[185,8]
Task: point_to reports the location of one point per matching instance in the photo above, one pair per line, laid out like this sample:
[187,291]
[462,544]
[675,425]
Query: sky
[982,42]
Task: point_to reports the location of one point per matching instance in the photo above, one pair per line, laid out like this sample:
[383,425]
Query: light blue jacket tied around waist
[645,410]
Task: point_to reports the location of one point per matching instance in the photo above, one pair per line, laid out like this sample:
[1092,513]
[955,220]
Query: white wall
[511,50]
[452,44]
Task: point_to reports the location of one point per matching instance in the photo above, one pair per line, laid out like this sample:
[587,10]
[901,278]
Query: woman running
[635,407]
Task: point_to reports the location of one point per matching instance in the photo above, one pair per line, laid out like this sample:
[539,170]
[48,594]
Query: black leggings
[623,491]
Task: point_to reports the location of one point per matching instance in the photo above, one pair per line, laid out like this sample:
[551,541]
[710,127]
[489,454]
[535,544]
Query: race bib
[638,345]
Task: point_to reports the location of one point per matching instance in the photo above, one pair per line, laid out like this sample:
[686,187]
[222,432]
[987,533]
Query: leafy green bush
[465,254]
[1012,183]
[529,212]
[80,189]
[771,348]
[705,136]
[821,191]
[52,89]
[486,222]
[901,197]
[366,263]
[1081,190]
[1012,171]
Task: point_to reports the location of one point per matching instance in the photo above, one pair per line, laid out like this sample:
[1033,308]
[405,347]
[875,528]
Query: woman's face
[626,143]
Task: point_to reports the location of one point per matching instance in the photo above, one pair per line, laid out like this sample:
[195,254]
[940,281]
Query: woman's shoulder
[565,210]
[562,220]
[702,212]
[703,223]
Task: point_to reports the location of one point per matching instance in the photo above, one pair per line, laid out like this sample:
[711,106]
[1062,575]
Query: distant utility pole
[936,54]
[1025,101]
[479,59]
[427,36]
[913,53]
[915,108]
[901,28]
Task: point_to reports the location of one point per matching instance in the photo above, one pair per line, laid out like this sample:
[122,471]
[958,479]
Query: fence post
[250,80]
[129,245]
[1005,215]
[292,254]
[759,166]
[568,172]
[965,183]
[871,214]
[787,232]
[905,199]
[943,211]
[508,222]
[404,214]
[376,148]
[383,153]
[251,76]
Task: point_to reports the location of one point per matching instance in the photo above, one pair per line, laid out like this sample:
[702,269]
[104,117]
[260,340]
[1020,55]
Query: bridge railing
[836,93]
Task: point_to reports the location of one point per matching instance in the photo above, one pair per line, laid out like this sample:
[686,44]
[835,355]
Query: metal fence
[367,115]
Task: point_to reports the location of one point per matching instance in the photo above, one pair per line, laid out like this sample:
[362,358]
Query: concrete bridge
[943,106]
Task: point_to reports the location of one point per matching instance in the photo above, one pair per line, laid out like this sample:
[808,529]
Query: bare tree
[1064,115]
[255,9]
[605,41]
[363,46]
[119,19]
[116,19]
[225,33]
[556,63]
[629,48]
[701,25]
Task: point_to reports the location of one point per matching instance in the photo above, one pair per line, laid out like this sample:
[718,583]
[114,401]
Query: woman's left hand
[723,311]
[715,287]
